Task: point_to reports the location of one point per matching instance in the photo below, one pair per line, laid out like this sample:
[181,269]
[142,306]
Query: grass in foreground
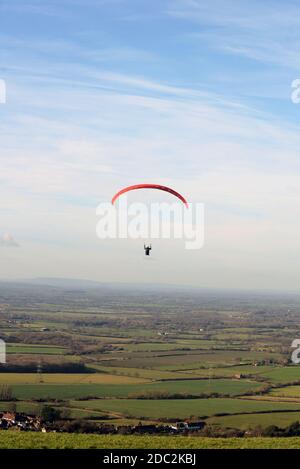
[30,440]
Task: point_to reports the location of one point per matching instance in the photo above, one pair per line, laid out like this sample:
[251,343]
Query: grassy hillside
[63,441]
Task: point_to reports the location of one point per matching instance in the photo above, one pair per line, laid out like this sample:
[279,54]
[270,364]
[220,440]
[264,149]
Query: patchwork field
[124,358]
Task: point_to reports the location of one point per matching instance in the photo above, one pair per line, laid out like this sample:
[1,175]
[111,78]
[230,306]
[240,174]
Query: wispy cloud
[88,112]
[264,31]
[64,9]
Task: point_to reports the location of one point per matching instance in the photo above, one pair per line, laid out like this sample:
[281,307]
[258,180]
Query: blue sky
[192,94]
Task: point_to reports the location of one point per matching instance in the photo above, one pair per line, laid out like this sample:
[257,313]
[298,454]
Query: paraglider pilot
[147,249]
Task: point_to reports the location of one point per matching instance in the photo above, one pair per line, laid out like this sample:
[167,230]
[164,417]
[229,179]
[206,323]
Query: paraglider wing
[149,186]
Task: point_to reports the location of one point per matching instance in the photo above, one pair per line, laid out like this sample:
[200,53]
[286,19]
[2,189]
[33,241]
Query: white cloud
[74,133]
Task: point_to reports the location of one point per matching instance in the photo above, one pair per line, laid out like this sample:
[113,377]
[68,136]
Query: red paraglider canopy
[149,186]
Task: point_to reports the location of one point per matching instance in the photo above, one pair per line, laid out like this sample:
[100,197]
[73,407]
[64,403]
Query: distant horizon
[56,281]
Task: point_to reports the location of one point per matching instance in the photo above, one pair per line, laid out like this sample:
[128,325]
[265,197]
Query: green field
[35,349]
[183,408]
[68,379]
[149,373]
[280,419]
[178,345]
[228,371]
[205,359]
[288,391]
[193,387]
[283,375]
